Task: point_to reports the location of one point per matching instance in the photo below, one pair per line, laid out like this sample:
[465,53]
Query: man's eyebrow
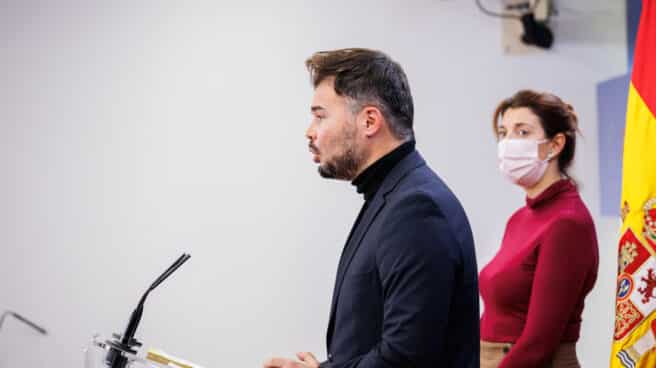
[317,108]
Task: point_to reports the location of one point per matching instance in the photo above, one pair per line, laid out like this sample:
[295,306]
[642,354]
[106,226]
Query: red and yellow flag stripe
[634,344]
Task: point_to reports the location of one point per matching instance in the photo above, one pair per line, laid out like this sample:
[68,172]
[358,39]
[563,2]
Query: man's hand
[306,360]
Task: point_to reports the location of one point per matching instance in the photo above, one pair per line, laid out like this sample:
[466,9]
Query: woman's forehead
[519,117]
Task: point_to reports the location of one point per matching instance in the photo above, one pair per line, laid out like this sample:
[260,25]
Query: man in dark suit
[406,293]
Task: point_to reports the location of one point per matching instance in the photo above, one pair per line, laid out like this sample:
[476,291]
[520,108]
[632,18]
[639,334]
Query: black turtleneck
[368,182]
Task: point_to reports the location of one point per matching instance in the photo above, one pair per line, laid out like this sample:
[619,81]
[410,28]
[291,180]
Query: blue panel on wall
[611,110]
[633,9]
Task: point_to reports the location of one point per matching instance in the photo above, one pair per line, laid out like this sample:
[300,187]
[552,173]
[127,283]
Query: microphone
[38,328]
[127,343]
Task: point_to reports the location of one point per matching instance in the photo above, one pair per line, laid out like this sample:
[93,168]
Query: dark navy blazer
[406,293]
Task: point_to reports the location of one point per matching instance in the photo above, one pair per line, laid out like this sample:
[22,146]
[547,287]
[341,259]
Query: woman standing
[534,288]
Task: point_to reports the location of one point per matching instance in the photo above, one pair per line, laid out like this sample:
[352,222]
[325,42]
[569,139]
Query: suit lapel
[410,162]
[349,251]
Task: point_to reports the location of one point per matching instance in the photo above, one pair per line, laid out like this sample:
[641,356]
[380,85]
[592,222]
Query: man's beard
[343,167]
[346,165]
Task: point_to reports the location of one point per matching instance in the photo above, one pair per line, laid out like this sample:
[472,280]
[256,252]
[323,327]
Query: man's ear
[372,120]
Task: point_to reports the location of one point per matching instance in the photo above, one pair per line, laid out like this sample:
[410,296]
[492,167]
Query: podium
[95,356]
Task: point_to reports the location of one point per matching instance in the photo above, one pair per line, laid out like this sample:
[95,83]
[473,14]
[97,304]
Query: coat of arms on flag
[636,291]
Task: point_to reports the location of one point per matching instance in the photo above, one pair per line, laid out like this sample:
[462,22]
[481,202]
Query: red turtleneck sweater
[533,289]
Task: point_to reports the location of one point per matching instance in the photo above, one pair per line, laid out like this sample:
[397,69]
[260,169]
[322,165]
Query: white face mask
[520,162]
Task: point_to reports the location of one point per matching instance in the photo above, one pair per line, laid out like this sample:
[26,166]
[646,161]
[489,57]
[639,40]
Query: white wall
[133,131]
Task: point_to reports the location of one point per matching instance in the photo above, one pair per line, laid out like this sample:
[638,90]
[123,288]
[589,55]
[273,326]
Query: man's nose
[310,132]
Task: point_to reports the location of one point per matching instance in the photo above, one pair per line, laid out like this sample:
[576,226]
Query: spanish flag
[634,341]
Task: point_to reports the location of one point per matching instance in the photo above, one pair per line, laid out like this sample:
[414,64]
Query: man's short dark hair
[368,77]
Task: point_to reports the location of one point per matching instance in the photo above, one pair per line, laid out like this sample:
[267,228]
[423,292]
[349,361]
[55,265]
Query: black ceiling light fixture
[536,33]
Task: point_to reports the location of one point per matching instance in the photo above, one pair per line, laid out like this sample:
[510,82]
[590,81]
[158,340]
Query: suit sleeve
[417,260]
[564,262]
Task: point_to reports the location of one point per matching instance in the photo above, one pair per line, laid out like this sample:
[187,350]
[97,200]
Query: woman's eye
[523,133]
[501,135]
